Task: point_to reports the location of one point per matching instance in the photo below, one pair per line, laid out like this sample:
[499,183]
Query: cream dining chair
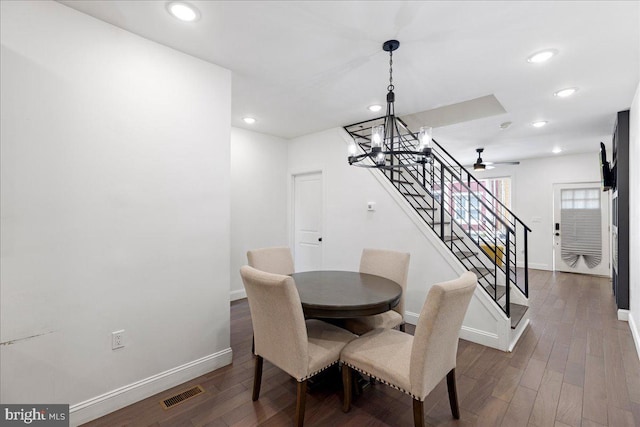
[391,265]
[277,260]
[283,337]
[415,364]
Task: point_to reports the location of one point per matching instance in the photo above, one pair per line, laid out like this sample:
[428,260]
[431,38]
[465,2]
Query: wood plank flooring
[576,365]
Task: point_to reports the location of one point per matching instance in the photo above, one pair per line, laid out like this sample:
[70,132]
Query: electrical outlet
[117,339]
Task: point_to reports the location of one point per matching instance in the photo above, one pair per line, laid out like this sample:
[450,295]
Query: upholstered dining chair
[391,265]
[415,364]
[277,260]
[283,337]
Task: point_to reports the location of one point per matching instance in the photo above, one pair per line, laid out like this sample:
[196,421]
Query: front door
[307,221]
[581,229]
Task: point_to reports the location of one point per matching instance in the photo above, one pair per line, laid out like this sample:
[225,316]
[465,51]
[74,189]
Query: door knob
[319,239]
[557,234]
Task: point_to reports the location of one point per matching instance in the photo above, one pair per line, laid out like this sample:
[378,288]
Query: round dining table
[345,294]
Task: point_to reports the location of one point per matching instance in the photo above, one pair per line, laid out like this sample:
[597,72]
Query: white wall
[532,196]
[115,210]
[258,197]
[634,219]
[349,227]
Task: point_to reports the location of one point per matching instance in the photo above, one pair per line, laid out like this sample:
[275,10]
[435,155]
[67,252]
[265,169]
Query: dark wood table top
[344,294]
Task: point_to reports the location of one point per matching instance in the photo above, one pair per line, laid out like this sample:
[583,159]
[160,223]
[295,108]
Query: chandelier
[391,144]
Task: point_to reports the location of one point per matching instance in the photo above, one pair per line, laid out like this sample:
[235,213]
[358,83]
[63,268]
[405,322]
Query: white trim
[477,336]
[535,266]
[119,398]
[623,315]
[634,333]
[411,317]
[236,295]
[517,333]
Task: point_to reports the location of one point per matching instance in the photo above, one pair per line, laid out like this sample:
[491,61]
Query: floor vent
[181,397]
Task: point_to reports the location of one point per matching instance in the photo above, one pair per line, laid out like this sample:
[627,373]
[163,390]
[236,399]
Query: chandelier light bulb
[351,148]
[380,158]
[377,136]
[424,137]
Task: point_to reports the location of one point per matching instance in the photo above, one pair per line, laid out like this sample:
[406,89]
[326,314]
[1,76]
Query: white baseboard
[477,336]
[535,266]
[236,295]
[411,318]
[488,339]
[119,398]
[634,333]
[623,315]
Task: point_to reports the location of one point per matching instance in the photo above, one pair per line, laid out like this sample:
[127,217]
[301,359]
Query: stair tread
[402,181]
[499,293]
[426,209]
[480,271]
[465,254]
[414,194]
[451,238]
[517,312]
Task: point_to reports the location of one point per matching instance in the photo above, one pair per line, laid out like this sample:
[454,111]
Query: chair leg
[418,413]
[346,387]
[257,378]
[253,345]
[453,393]
[300,401]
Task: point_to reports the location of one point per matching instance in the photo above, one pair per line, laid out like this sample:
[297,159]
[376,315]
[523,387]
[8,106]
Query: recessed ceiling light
[183,11]
[539,123]
[375,108]
[249,120]
[563,93]
[505,125]
[556,150]
[542,56]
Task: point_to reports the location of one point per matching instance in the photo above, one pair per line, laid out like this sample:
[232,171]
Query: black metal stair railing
[475,225]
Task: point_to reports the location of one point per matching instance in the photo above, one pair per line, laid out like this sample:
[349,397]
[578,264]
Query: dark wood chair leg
[300,401]
[418,413]
[402,327]
[257,378]
[453,393]
[346,387]
[253,345]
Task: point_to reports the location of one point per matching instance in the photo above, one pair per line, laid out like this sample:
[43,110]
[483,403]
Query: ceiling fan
[481,165]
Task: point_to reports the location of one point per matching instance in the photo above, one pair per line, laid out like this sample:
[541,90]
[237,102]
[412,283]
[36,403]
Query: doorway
[307,221]
[581,229]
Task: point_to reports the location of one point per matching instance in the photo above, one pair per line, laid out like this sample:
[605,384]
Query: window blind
[580,226]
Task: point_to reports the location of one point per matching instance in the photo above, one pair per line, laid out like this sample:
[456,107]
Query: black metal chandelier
[391,144]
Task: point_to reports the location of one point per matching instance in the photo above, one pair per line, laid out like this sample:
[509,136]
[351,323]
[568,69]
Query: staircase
[478,229]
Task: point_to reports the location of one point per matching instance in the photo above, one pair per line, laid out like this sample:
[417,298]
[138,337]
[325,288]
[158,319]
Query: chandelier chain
[390,87]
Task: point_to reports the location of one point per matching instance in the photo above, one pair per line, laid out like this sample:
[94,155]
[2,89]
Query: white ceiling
[300,66]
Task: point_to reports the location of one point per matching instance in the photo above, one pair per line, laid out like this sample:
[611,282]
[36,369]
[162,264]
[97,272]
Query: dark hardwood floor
[576,365]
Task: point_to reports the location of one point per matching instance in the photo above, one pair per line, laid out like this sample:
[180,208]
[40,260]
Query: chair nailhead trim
[381,380]
[317,372]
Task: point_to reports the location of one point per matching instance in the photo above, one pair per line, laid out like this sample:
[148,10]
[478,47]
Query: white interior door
[307,221]
[581,229]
